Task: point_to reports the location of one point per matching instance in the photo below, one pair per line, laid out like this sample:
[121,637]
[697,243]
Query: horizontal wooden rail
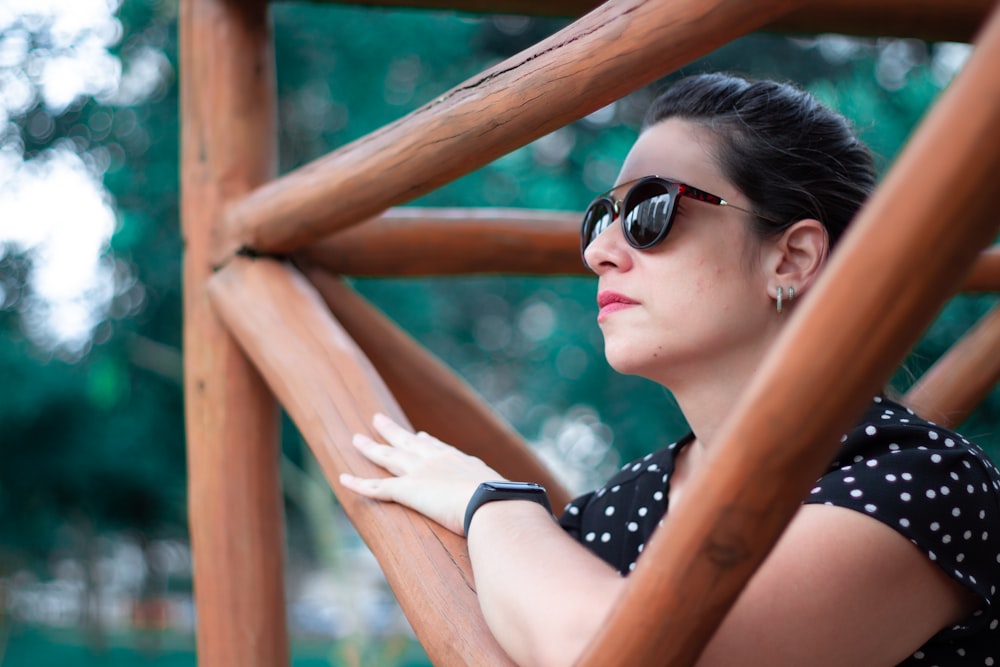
[620,46]
[935,210]
[331,391]
[948,20]
[959,381]
[410,241]
[435,398]
[985,274]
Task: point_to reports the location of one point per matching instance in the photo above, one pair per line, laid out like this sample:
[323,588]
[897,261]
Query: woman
[725,212]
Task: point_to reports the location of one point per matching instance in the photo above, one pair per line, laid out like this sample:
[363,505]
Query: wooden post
[935,210]
[410,241]
[234,498]
[961,379]
[433,396]
[620,46]
[331,392]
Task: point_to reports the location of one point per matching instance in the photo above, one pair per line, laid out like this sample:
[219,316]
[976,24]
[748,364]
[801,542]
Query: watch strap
[491,491]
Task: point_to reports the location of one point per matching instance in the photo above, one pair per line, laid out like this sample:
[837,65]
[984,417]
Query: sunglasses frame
[619,208]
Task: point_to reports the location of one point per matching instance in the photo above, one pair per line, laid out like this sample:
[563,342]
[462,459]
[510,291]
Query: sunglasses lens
[648,211]
[598,217]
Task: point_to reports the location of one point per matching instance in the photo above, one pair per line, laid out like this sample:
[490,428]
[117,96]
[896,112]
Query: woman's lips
[611,302]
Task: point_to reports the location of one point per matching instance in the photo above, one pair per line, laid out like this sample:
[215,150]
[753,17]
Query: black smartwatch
[490,491]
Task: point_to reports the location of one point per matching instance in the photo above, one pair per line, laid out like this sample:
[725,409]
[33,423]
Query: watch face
[522,487]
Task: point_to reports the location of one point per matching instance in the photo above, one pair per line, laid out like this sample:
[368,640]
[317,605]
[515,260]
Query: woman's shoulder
[927,482]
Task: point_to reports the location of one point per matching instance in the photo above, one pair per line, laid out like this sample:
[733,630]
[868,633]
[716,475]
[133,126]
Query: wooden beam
[235,508]
[954,386]
[331,391]
[410,241]
[985,274]
[620,46]
[434,397]
[934,210]
[947,20]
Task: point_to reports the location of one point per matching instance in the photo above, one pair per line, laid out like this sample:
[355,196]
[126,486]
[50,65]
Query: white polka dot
[959,558]
[931,493]
[856,493]
[574,510]
[815,490]
[948,442]
[893,446]
[946,539]
[652,467]
[641,547]
[590,537]
[636,467]
[994,623]
[642,511]
[605,537]
[616,488]
[890,478]
[935,458]
[905,497]
[848,480]
[905,523]
[945,490]
[870,508]
[907,476]
[956,512]
[870,430]
[658,496]
[609,511]
[632,526]
[933,435]
[871,463]
[935,526]
[631,566]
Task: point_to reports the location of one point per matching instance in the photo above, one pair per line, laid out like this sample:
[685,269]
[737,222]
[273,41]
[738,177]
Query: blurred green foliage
[99,438]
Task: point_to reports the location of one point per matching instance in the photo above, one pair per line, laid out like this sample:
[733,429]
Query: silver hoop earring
[791,294]
[780,290]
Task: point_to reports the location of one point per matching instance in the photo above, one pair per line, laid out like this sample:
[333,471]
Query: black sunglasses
[647,211]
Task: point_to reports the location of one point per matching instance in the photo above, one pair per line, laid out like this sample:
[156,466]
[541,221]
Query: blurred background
[94,560]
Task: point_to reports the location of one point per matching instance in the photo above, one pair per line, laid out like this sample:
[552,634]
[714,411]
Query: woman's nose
[609,250]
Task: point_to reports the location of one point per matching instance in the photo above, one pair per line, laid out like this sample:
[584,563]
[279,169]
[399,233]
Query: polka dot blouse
[927,483]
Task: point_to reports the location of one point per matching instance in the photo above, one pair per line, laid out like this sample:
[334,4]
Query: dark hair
[791,156]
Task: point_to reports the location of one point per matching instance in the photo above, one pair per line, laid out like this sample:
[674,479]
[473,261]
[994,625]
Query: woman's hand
[429,476]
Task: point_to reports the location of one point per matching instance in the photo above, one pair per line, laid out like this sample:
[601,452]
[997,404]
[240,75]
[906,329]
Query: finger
[397,461]
[394,433]
[375,488]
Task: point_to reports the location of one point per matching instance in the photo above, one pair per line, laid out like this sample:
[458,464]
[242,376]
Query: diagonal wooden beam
[959,381]
[409,241]
[435,398]
[331,391]
[934,210]
[620,46]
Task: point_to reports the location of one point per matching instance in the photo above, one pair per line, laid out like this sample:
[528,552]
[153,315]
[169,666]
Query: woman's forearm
[544,596]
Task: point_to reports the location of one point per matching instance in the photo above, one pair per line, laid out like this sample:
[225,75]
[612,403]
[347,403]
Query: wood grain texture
[410,241]
[235,509]
[959,381]
[620,46]
[331,391]
[935,210]
[435,398]
[951,20]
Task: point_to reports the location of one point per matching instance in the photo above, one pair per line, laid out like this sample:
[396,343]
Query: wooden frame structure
[259,331]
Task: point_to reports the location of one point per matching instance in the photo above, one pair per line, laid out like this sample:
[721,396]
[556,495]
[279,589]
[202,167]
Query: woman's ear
[794,260]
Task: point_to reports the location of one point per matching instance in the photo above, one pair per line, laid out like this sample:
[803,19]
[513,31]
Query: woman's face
[696,301]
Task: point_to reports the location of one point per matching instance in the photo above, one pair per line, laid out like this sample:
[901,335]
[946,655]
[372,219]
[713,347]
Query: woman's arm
[839,588]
